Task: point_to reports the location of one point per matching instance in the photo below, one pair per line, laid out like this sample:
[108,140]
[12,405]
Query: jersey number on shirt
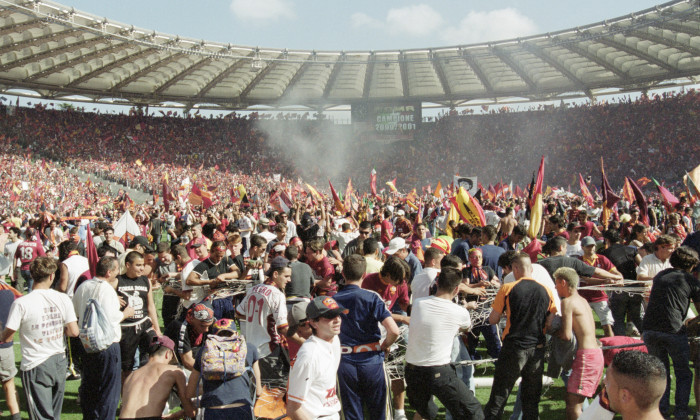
[27,253]
[252,302]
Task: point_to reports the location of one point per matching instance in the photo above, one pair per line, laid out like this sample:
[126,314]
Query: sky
[357,24]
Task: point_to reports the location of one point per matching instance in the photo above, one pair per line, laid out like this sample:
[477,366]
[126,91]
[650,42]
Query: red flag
[373,182]
[166,196]
[627,191]
[348,194]
[640,199]
[536,203]
[584,191]
[669,199]
[91,252]
[199,197]
[519,192]
[609,196]
[643,181]
[338,204]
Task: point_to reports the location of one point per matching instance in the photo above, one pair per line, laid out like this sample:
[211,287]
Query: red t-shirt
[403,227]
[323,269]
[597,295]
[387,231]
[390,294]
[27,252]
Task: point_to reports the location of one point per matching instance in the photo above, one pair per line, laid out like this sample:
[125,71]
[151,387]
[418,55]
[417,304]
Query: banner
[469,183]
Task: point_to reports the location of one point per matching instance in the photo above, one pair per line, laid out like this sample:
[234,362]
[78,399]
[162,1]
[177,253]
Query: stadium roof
[62,53]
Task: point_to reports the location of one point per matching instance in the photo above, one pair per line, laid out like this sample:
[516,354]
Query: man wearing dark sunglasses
[365,232]
[312,381]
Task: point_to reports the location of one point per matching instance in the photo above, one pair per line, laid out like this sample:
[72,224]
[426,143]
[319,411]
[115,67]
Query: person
[436,320]
[27,251]
[420,286]
[190,334]
[361,375]
[299,288]
[168,277]
[74,266]
[10,248]
[598,299]
[371,252]
[146,391]
[577,320]
[101,380]
[477,275]
[558,258]
[138,330]
[527,305]
[490,252]
[312,390]
[399,248]
[626,308]
[364,233]
[505,229]
[665,334]
[214,270]
[635,383]
[197,239]
[111,241]
[42,317]
[657,261]
[7,357]
[226,399]
[264,311]
[513,241]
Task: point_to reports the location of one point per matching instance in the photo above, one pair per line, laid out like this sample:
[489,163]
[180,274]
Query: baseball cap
[395,245]
[400,212]
[201,312]
[141,240]
[441,244]
[277,263]
[587,241]
[298,313]
[161,341]
[224,325]
[323,305]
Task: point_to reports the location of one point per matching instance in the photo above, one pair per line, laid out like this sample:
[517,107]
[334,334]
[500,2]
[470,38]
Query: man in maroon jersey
[27,251]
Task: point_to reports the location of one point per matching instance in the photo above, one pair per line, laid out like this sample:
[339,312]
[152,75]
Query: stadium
[226,135]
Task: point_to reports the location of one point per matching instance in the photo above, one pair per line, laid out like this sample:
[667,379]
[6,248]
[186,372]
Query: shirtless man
[506,224]
[146,391]
[577,319]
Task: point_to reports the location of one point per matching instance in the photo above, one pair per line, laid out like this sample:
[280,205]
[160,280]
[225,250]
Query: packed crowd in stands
[293,281]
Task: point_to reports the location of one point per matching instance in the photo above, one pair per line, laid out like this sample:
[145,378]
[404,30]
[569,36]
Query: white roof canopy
[59,52]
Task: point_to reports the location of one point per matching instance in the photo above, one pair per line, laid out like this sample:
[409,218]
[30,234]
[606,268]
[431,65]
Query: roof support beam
[259,77]
[539,52]
[516,68]
[52,52]
[41,38]
[403,68]
[18,28]
[300,72]
[675,27]
[110,66]
[368,76]
[334,75]
[194,67]
[633,51]
[664,41]
[73,61]
[148,69]
[224,74]
[471,61]
[437,65]
[583,52]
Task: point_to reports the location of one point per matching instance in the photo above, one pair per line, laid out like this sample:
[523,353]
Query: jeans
[514,362]
[623,305]
[663,345]
[425,381]
[493,341]
[28,280]
[101,383]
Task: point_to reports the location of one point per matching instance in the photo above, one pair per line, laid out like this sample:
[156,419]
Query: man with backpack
[101,382]
[222,366]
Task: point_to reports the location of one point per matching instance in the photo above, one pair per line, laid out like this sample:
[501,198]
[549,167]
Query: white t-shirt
[541,276]
[574,250]
[6,260]
[77,265]
[103,293]
[651,266]
[269,236]
[197,292]
[312,379]
[420,286]
[40,317]
[291,231]
[243,224]
[436,321]
[264,308]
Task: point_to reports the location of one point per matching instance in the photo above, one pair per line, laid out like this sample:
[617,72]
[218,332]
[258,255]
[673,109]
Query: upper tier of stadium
[62,53]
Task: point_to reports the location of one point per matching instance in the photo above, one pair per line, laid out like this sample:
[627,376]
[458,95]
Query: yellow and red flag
[468,208]
[536,204]
[338,204]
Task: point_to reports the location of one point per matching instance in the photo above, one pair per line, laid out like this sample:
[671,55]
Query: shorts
[8,370]
[586,372]
[603,311]
[136,336]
